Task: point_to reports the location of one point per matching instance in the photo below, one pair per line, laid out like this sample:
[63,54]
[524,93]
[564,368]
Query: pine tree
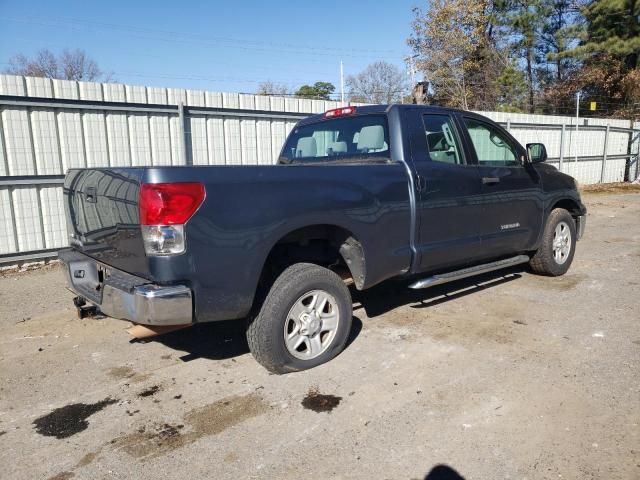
[609,52]
[512,90]
[612,29]
[523,20]
[557,36]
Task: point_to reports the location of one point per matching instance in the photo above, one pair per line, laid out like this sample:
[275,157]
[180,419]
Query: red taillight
[169,203]
[338,112]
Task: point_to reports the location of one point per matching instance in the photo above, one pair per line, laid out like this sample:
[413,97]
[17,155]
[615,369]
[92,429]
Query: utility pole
[412,70]
[577,120]
[341,83]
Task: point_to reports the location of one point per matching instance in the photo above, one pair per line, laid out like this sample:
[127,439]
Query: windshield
[356,137]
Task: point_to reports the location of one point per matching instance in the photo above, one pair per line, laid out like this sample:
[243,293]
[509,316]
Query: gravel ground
[509,375]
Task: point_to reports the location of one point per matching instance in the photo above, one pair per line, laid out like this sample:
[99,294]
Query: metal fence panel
[7,233]
[48,126]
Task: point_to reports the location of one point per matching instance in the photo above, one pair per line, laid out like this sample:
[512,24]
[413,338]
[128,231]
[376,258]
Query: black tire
[544,261]
[266,330]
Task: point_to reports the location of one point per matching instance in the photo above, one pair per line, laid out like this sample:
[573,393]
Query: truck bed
[247,210]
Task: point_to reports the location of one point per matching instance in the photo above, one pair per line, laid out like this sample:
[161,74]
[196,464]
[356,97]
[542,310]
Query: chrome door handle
[490,180]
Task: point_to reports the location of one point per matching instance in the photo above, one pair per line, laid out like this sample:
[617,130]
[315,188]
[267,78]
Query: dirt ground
[509,375]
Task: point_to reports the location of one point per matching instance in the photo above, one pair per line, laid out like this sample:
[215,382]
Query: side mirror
[536,152]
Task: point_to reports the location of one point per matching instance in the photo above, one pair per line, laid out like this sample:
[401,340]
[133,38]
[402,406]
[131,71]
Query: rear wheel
[304,321]
[557,248]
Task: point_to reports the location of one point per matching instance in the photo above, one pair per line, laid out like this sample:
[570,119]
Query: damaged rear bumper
[121,295]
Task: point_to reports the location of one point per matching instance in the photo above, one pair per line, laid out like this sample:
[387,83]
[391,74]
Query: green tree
[608,51]
[523,21]
[557,36]
[512,90]
[320,90]
[612,28]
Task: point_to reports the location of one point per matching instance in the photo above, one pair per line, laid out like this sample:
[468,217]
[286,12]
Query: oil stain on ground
[318,402]
[70,419]
[127,373]
[149,391]
[62,476]
[200,422]
[87,459]
[121,372]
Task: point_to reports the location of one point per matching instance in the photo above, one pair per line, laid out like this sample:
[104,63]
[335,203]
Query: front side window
[350,137]
[492,147]
[442,142]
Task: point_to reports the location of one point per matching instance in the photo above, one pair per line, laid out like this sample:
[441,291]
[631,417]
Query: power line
[173,37]
[205,37]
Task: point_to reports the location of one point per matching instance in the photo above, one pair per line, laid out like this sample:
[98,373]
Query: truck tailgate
[103,216]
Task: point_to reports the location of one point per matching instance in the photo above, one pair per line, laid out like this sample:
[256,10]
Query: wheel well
[570,205]
[329,246]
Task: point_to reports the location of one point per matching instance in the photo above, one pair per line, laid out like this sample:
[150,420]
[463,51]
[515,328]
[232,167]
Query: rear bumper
[121,295]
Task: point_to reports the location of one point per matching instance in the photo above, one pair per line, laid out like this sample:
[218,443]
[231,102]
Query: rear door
[448,192]
[511,195]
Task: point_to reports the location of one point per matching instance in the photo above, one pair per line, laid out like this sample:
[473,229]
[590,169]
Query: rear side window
[359,137]
[492,147]
[442,141]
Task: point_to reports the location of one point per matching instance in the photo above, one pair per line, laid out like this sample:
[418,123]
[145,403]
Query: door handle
[91,195]
[490,180]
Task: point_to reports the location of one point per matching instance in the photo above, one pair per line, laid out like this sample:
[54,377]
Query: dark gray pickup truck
[360,195]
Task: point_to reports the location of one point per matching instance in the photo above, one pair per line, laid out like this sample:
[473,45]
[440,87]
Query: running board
[468,272]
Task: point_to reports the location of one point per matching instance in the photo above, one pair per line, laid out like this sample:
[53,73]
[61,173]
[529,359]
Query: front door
[448,193]
[512,208]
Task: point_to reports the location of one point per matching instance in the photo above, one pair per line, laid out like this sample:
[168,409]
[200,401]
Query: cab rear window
[358,137]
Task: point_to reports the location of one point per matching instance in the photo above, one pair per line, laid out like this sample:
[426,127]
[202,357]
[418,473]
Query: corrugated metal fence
[48,126]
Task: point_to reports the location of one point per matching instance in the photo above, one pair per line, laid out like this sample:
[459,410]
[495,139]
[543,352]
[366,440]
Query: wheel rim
[561,243]
[311,324]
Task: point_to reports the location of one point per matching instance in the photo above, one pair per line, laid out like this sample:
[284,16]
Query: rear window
[359,137]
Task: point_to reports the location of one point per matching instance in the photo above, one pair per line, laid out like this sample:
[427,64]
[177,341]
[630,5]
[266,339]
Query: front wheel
[557,248]
[304,321]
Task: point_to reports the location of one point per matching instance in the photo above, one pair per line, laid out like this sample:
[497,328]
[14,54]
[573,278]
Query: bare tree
[272,88]
[69,65]
[447,38]
[380,82]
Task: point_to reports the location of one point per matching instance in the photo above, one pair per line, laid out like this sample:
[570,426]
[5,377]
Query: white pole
[577,120]
[412,72]
[341,83]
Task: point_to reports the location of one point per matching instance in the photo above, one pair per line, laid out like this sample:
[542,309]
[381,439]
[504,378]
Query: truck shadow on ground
[443,472]
[220,340]
[226,339]
[388,296]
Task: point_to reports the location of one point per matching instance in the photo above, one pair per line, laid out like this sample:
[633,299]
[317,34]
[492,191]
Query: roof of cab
[373,109]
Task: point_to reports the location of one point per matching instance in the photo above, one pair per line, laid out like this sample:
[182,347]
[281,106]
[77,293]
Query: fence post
[183,133]
[561,147]
[632,159]
[636,139]
[509,125]
[604,156]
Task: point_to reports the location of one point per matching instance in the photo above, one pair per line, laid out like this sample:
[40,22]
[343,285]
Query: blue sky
[214,45]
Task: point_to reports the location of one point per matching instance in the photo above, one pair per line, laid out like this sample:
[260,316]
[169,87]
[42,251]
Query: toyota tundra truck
[359,195]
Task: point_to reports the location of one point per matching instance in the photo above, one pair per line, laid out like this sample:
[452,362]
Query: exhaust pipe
[141,332]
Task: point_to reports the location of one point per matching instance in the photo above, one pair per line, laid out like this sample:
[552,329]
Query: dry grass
[621,187]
